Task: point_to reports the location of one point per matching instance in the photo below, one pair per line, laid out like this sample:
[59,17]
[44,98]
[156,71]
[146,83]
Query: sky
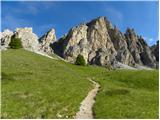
[62,16]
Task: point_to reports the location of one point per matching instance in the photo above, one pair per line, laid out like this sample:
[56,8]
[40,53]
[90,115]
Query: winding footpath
[85,110]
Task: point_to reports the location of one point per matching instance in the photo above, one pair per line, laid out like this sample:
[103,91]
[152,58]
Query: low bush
[15,43]
[80,60]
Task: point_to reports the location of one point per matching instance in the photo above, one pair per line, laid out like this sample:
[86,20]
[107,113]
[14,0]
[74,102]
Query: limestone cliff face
[92,41]
[139,49]
[76,43]
[155,50]
[120,44]
[98,42]
[5,37]
[46,41]
[102,51]
[147,57]
[134,46]
[101,44]
[28,38]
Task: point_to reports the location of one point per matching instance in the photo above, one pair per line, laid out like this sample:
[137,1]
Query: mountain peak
[97,41]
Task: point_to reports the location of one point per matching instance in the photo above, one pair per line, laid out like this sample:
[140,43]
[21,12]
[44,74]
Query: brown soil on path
[85,110]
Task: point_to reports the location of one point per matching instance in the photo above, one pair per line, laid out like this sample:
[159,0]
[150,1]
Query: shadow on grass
[13,76]
[117,92]
[6,76]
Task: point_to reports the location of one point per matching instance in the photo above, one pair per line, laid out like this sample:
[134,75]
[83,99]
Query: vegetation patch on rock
[80,60]
[15,43]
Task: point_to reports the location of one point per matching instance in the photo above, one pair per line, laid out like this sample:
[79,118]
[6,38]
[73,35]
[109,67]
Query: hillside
[34,86]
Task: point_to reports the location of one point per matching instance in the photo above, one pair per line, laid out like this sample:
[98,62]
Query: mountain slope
[34,86]
[104,45]
[98,41]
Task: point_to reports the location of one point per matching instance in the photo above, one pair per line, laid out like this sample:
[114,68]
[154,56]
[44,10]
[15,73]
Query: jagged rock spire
[102,44]
[47,40]
[97,41]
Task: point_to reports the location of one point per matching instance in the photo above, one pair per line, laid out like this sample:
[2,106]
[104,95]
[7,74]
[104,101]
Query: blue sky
[142,16]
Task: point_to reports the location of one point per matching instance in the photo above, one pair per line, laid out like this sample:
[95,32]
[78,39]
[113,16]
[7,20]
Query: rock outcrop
[120,44]
[103,45]
[28,38]
[155,50]
[76,43]
[102,51]
[133,45]
[46,41]
[90,40]
[98,41]
[139,49]
[5,39]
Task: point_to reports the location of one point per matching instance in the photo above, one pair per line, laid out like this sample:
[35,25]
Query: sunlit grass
[34,86]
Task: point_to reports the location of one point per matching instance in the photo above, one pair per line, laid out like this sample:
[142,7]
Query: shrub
[15,43]
[80,60]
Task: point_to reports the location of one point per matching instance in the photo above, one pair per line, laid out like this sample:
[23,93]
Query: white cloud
[36,7]
[11,22]
[150,41]
[29,7]
[114,13]
[13,17]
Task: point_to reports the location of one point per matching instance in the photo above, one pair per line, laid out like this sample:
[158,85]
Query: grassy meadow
[34,86]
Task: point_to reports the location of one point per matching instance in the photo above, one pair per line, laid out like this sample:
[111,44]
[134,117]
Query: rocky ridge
[155,50]
[30,40]
[102,44]
[98,41]
[47,40]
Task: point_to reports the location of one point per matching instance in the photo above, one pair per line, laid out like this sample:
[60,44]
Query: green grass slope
[128,94]
[34,86]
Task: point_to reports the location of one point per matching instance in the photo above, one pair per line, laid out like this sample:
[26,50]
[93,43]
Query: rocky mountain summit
[47,40]
[90,40]
[97,41]
[102,44]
